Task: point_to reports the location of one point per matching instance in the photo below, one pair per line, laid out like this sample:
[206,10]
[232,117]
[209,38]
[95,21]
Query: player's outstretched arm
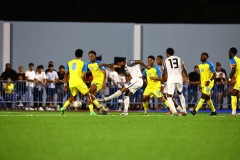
[141,63]
[107,65]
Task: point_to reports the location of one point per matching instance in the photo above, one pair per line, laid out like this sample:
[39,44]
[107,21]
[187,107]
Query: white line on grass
[80,115]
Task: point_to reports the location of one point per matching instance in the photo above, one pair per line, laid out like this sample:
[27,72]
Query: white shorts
[134,84]
[171,87]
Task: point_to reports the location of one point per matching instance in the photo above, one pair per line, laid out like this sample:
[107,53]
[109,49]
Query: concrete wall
[190,40]
[39,42]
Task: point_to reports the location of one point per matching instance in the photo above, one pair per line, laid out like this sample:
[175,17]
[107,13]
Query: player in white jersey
[131,67]
[174,67]
[164,88]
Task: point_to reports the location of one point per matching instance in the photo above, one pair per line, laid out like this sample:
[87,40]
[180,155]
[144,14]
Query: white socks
[172,107]
[126,103]
[179,109]
[183,104]
[114,95]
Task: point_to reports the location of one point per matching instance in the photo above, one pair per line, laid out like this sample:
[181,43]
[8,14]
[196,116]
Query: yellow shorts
[207,90]
[82,88]
[237,86]
[98,84]
[150,92]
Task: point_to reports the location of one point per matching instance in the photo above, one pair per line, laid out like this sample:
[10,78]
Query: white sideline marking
[66,115]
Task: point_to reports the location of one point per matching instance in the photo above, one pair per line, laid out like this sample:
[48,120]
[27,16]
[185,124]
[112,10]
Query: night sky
[141,11]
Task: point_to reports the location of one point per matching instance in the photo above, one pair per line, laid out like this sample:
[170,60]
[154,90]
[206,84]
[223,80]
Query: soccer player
[235,72]
[164,90]
[98,73]
[76,70]
[174,68]
[136,82]
[207,75]
[153,84]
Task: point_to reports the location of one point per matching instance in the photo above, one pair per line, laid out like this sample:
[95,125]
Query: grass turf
[76,135]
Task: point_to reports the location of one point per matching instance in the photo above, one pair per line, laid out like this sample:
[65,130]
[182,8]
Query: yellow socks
[234,104]
[200,103]
[145,106]
[90,107]
[210,103]
[66,104]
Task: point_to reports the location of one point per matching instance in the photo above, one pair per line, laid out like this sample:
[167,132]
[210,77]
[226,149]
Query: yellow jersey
[235,62]
[153,72]
[8,89]
[96,70]
[206,72]
[76,67]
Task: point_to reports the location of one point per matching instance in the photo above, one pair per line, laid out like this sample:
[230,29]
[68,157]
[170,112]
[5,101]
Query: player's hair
[30,64]
[78,53]
[50,65]
[93,52]
[160,56]
[61,67]
[233,50]
[152,57]
[206,54]
[170,51]
[99,57]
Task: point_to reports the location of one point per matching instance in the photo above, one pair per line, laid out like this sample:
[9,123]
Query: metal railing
[23,96]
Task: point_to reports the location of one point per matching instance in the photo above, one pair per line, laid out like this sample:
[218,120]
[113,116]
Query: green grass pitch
[76,135]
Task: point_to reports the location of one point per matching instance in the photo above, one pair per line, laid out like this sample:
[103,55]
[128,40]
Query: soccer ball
[77,104]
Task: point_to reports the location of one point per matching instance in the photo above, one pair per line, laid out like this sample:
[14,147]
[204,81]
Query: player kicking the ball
[133,68]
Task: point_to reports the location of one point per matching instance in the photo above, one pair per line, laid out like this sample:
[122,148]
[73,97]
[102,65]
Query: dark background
[142,11]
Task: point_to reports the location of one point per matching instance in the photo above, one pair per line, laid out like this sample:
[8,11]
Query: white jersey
[133,69]
[174,70]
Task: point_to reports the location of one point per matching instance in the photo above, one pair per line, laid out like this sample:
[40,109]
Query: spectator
[60,86]
[9,73]
[222,69]
[21,91]
[40,83]
[220,82]
[21,72]
[194,78]
[2,103]
[52,78]
[9,93]
[47,70]
[30,77]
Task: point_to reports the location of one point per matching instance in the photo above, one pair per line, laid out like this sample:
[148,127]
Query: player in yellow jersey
[207,75]
[75,71]
[153,76]
[98,73]
[235,72]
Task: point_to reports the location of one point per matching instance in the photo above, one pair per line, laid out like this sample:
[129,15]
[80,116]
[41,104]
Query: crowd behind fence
[20,97]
